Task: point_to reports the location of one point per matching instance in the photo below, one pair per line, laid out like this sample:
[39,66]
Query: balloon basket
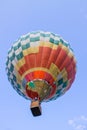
[35,108]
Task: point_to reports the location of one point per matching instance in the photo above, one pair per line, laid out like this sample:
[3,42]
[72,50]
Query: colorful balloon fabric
[41,65]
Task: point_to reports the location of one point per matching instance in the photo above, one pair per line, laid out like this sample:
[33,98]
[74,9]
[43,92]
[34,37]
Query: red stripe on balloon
[45,56]
[60,58]
[53,56]
[31,94]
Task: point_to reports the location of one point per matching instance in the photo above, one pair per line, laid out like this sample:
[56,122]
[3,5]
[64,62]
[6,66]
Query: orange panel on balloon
[45,56]
[66,62]
[61,57]
[38,57]
[31,60]
[39,74]
[53,56]
[27,61]
[23,69]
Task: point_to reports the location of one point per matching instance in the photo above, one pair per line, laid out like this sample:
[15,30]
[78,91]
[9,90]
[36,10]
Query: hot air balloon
[41,67]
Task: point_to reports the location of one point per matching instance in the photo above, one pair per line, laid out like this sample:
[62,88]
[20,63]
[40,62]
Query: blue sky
[67,18]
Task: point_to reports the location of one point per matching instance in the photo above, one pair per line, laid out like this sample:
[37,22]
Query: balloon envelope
[41,65]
